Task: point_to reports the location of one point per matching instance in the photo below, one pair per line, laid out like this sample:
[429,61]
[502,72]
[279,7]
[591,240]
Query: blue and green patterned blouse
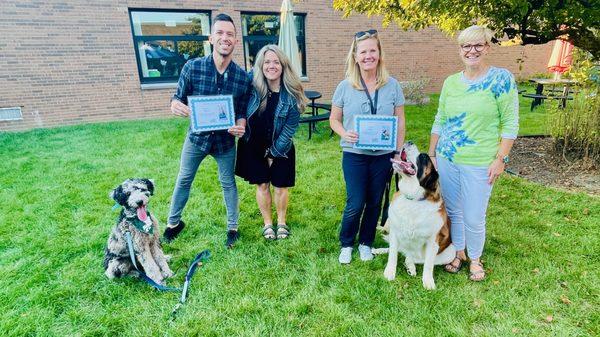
[474,115]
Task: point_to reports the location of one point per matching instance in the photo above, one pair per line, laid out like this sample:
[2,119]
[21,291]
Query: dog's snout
[140,202]
[409,142]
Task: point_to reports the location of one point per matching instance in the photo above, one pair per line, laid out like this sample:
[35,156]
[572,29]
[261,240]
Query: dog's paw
[109,274]
[389,273]
[379,251]
[156,277]
[167,273]
[428,283]
[411,269]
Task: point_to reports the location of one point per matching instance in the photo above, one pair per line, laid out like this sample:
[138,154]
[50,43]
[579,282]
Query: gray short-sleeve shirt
[355,102]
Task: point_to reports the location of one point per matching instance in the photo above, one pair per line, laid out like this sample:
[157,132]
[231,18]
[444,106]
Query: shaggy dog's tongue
[141,213]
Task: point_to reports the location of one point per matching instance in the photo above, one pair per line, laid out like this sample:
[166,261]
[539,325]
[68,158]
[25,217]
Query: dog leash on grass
[203,256]
[197,262]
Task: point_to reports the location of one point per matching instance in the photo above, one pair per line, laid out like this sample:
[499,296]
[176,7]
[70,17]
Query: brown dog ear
[426,172]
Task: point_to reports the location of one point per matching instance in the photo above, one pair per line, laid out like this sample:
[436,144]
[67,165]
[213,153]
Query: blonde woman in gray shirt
[367,89]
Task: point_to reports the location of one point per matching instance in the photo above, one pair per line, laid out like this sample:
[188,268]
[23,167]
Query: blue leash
[198,260]
[203,256]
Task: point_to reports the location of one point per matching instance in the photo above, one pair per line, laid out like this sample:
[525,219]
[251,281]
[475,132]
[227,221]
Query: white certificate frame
[211,113]
[376,132]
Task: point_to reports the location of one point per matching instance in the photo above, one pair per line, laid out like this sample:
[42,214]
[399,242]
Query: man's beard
[224,54]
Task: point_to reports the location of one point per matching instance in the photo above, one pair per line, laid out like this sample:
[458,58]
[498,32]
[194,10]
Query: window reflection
[166,40]
[259,30]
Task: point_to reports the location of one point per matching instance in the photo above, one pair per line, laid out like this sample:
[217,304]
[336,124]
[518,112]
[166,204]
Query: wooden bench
[312,120]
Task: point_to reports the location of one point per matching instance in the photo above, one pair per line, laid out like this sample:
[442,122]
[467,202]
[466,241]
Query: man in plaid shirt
[215,74]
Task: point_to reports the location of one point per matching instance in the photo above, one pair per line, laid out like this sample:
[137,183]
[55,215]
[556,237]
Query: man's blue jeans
[191,157]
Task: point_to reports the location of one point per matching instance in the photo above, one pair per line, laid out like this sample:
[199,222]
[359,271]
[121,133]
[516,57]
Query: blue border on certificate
[390,145]
[195,123]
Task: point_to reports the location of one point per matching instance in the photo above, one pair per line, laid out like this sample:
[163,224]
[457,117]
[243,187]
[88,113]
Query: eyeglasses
[469,47]
[371,32]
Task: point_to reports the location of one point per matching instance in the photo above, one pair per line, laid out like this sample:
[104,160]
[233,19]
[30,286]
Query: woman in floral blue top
[474,129]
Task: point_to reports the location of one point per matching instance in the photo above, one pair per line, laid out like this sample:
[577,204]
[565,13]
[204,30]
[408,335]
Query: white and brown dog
[417,224]
[133,196]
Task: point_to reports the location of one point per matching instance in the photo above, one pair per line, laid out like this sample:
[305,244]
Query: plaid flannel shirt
[199,77]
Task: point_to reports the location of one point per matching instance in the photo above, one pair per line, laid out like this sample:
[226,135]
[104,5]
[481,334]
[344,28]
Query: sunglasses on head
[358,35]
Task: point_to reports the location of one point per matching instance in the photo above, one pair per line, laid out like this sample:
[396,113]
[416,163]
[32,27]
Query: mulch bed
[535,159]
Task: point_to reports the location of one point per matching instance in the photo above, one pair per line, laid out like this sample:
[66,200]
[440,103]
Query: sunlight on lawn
[542,249]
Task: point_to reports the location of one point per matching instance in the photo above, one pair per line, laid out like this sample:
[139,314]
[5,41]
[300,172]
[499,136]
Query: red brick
[75,63]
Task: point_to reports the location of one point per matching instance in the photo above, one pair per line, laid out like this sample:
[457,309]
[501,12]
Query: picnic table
[560,86]
[313,96]
[315,115]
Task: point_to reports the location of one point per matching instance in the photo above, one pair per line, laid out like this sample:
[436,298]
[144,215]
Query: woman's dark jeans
[365,177]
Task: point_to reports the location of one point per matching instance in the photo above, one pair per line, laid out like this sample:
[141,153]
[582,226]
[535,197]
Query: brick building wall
[70,62]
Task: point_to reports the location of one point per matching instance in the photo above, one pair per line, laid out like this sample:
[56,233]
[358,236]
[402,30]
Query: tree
[193,48]
[515,21]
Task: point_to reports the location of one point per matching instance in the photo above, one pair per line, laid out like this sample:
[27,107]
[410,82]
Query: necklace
[270,92]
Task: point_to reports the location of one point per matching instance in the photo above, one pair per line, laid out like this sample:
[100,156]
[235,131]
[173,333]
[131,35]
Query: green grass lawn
[542,251]
[532,122]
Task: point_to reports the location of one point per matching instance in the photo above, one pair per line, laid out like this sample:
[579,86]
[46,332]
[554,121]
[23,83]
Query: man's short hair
[224,17]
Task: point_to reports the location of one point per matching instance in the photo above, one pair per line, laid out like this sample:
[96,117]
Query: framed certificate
[376,132]
[211,113]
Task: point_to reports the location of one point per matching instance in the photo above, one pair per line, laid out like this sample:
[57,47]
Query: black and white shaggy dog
[133,196]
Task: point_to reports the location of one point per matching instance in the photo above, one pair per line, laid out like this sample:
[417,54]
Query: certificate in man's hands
[376,132]
[211,113]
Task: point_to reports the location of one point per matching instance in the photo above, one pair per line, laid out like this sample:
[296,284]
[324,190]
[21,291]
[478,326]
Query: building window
[164,40]
[260,29]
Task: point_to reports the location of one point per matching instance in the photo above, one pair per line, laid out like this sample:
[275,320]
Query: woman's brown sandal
[479,275]
[454,268]
[268,232]
[283,231]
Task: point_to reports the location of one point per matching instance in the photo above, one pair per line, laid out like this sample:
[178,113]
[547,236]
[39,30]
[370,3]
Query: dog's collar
[140,225]
[413,198]
[137,223]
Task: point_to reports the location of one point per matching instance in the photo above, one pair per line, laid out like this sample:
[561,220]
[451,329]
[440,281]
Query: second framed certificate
[210,113]
[376,132]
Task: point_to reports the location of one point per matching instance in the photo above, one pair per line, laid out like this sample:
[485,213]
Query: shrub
[576,128]
[414,89]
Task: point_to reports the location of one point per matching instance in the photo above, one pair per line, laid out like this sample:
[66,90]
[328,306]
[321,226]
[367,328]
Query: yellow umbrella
[287,36]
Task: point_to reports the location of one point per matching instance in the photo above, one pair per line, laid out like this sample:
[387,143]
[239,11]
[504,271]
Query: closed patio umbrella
[287,36]
[561,57]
